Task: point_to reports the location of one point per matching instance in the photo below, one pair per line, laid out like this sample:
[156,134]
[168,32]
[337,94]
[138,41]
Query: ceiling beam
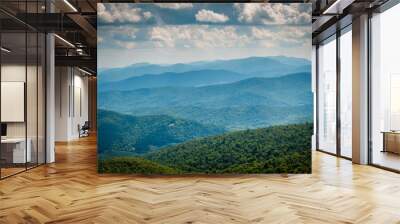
[86,26]
[78,61]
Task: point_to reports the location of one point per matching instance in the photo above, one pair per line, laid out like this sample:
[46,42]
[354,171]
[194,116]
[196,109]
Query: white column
[62,103]
[314,91]
[50,99]
[360,90]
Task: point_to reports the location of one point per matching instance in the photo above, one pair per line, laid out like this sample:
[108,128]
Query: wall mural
[204,88]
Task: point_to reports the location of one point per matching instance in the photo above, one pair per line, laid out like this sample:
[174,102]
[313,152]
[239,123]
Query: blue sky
[168,33]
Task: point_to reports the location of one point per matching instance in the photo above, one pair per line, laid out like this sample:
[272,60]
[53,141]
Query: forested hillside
[278,149]
[235,117]
[131,164]
[138,134]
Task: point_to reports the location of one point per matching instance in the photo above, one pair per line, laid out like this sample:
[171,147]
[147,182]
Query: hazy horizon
[201,61]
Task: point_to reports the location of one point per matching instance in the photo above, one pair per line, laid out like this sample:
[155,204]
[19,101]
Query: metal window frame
[339,32]
[387,5]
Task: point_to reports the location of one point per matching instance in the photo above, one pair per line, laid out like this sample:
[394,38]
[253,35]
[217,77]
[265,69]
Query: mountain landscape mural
[183,94]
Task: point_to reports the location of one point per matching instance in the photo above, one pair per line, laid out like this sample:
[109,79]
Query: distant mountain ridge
[290,90]
[252,67]
[184,79]
[249,103]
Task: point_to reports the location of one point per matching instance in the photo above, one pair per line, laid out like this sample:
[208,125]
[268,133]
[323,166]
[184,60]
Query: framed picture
[204,88]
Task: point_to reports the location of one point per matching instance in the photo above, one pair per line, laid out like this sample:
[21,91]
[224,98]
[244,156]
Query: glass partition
[327,96]
[15,151]
[22,88]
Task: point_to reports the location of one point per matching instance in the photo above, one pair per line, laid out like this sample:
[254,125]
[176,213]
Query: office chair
[84,130]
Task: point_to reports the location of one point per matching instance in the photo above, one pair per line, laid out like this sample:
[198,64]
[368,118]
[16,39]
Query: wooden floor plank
[71,191]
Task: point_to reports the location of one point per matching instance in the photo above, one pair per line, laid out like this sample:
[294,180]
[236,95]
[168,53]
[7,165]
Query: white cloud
[103,14]
[199,36]
[124,32]
[296,32]
[125,44]
[162,36]
[176,6]
[204,36]
[147,15]
[210,36]
[246,11]
[123,36]
[282,36]
[205,15]
[118,12]
[260,33]
[267,44]
[273,13]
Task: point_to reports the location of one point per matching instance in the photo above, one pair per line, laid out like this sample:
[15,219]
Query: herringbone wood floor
[70,191]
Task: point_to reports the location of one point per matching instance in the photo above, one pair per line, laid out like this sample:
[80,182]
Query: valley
[251,115]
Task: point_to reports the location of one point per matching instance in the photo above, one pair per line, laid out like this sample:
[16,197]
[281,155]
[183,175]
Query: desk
[14,150]
[391,141]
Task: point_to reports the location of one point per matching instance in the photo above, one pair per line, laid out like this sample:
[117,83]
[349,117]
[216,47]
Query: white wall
[71,94]
[9,73]
[17,73]
[33,126]
[80,109]
[62,82]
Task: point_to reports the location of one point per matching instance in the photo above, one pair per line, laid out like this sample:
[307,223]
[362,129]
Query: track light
[333,6]
[70,5]
[84,71]
[5,50]
[337,7]
[65,41]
